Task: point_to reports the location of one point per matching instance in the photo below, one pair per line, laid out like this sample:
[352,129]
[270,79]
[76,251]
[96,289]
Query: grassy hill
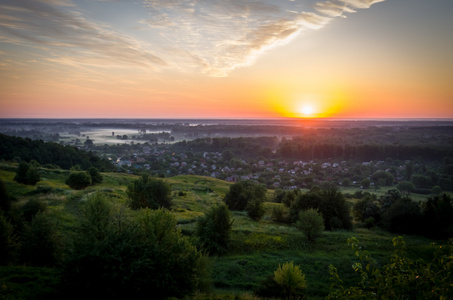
[256,251]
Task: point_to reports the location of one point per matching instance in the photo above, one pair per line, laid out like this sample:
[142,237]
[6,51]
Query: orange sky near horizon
[250,59]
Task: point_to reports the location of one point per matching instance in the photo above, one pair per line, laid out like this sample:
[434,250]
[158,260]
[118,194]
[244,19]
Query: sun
[307,110]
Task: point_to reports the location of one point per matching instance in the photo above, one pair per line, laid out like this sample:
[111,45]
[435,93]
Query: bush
[214,229]
[78,180]
[5,200]
[311,223]
[243,192]
[41,243]
[290,280]
[402,278]
[438,216]
[255,209]
[367,207]
[27,174]
[96,177]
[147,192]
[268,288]
[32,208]
[279,214]
[406,187]
[329,202]
[8,241]
[383,178]
[404,216]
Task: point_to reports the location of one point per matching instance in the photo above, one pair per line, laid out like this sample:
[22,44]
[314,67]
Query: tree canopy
[148,192]
[120,254]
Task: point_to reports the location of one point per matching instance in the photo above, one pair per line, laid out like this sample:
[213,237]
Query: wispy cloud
[214,36]
[55,25]
[225,35]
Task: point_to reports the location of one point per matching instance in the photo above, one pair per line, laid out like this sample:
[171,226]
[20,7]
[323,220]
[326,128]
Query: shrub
[311,223]
[41,243]
[78,180]
[382,177]
[367,207]
[243,192]
[279,214]
[255,209]
[438,216]
[96,177]
[147,192]
[402,278]
[27,174]
[405,187]
[290,280]
[31,208]
[8,241]
[21,172]
[268,288]
[5,200]
[404,216]
[329,202]
[214,229]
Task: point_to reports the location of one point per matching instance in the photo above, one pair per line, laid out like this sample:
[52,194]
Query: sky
[226,59]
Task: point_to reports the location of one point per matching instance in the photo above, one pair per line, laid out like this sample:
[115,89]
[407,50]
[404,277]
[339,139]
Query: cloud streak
[60,29]
[225,35]
[213,36]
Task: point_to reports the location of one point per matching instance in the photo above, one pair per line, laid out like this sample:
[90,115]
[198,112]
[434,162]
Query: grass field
[257,248]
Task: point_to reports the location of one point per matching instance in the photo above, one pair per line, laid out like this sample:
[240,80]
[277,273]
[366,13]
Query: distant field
[104,136]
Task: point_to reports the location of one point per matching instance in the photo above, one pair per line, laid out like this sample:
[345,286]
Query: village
[275,173]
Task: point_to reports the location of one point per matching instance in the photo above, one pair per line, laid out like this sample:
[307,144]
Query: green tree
[119,253]
[214,230]
[242,192]
[311,223]
[8,241]
[5,200]
[78,180]
[27,174]
[383,178]
[41,242]
[405,187]
[31,208]
[291,281]
[21,172]
[367,207]
[330,202]
[403,216]
[255,209]
[76,168]
[147,192]
[96,177]
[32,176]
[279,214]
[421,181]
[438,216]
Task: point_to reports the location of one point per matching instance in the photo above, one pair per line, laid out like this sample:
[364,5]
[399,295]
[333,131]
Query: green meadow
[257,247]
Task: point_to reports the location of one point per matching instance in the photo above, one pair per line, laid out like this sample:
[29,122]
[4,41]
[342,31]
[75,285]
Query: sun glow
[307,110]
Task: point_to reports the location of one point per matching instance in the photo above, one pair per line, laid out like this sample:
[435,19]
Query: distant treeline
[242,146]
[304,149]
[299,149]
[50,153]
